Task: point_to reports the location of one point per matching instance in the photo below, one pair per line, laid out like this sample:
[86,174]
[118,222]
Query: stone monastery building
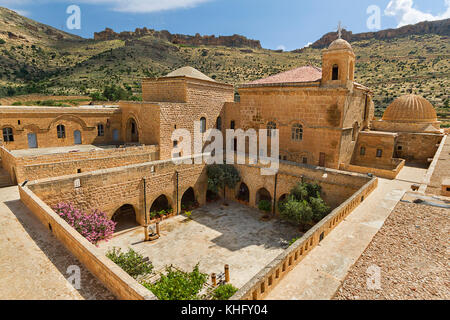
[119,158]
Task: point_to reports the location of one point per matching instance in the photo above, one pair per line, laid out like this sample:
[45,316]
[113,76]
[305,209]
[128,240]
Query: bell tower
[338,62]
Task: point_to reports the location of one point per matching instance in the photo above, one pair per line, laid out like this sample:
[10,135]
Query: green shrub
[224,292]
[131,262]
[2,41]
[293,240]
[265,205]
[17,103]
[178,285]
[304,205]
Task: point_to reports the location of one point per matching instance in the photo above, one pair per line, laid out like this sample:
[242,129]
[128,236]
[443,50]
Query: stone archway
[263,194]
[125,217]
[188,200]
[161,203]
[243,193]
[132,131]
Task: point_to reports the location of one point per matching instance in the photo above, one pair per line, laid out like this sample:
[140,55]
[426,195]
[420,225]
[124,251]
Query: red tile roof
[302,74]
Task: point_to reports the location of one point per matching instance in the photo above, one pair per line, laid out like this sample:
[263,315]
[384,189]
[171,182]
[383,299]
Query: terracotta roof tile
[302,74]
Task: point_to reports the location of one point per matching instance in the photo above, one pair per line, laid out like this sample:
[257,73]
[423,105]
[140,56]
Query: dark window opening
[78,170]
[379,153]
[297,132]
[18,122]
[61,131]
[362,151]
[335,72]
[203,125]
[101,130]
[8,135]
[133,128]
[305,160]
[232,124]
[219,123]
[399,148]
[271,126]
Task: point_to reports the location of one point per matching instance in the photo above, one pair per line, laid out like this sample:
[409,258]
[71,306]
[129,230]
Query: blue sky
[288,24]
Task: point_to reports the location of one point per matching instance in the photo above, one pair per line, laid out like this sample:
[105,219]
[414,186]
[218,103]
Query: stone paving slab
[33,263]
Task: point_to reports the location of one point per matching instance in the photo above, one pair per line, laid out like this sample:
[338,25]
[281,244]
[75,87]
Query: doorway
[77,137]
[32,140]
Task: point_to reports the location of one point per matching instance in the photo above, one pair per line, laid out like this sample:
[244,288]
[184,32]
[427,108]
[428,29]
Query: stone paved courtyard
[216,235]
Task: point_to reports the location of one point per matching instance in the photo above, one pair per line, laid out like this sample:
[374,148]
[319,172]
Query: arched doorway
[77,137]
[125,217]
[160,206]
[263,194]
[188,200]
[243,193]
[132,131]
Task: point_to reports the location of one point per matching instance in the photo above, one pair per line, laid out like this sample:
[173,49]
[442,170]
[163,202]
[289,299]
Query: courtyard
[214,235]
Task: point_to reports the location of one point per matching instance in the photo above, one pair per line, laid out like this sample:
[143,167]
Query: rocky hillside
[441,28]
[41,59]
[234,41]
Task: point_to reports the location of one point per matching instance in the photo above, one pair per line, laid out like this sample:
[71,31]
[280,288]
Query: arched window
[362,152]
[8,135]
[271,126]
[219,123]
[297,132]
[101,130]
[61,130]
[203,125]
[335,72]
[232,124]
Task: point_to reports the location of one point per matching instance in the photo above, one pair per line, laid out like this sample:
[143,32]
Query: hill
[45,60]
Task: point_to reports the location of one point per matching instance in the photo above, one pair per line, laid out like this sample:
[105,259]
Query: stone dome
[340,44]
[410,108]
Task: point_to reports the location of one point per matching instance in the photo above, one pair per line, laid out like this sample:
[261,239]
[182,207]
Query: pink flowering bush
[94,227]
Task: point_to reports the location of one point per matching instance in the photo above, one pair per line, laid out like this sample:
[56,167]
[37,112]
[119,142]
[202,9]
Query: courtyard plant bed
[94,226]
[175,284]
[224,292]
[161,215]
[131,262]
[304,206]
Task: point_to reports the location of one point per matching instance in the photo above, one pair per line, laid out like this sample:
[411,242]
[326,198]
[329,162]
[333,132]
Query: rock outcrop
[441,27]
[234,41]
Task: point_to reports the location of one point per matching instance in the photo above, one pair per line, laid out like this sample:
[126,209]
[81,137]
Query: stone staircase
[5,180]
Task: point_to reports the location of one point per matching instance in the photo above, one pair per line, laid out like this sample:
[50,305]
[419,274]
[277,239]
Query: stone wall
[61,164]
[371,142]
[337,186]
[261,284]
[122,285]
[43,122]
[326,115]
[125,185]
[417,147]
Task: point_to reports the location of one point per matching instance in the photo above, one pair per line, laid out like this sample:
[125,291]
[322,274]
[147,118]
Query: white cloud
[281,47]
[133,6]
[308,44]
[405,12]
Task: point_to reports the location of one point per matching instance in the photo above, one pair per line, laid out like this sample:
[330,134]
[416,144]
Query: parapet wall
[122,285]
[53,165]
[260,285]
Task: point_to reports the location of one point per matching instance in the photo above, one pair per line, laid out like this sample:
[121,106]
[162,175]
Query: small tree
[178,285]
[221,176]
[304,205]
[131,262]
[224,292]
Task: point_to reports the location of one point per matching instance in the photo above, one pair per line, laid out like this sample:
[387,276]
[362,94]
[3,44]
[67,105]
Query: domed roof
[410,108]
[190,73]
[340,44]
